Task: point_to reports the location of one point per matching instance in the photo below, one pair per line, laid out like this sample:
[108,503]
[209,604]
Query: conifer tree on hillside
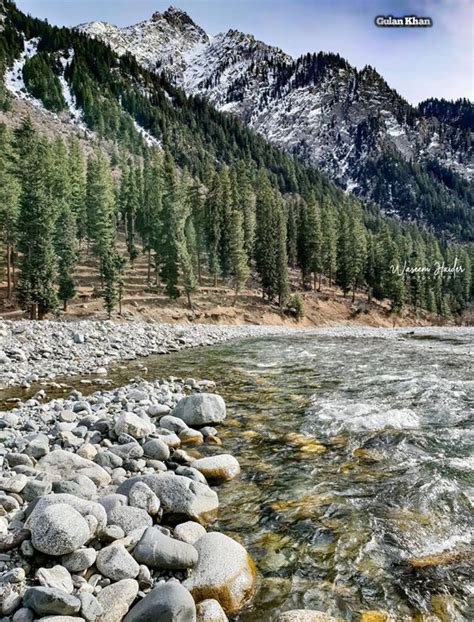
[131,206]
[101,203]
[238,254]
[291,233]
[171,207]
[65,236]
[315,241]
[9,194]
[36,222]
[357,248]
[270,243]
[77,183]
[344,274]
[246,201]
[150,220]
[265,234]
[282,284]
[329,241]
[213,225]
[196,202]
[186,236]
[225,210]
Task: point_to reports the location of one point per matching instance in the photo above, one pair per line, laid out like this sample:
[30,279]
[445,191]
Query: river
[357,483]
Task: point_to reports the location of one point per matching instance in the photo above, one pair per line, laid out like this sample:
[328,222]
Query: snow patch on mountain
[14,75]
[149,139]
[69,98]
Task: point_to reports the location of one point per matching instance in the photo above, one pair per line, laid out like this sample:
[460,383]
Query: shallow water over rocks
[356,451]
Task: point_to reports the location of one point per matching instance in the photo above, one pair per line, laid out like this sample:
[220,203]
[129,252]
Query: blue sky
[419,63]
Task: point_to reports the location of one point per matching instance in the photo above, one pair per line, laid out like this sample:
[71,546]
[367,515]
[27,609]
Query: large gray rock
[189,532]
[58,529]
[200,409]
[181,498]
[79,560]
[157,550]
[174,424]
[142,496]
[127,451]
[38,445]
[91,609]
[210,611]
[83,506]
[129,518]
[13,483]
[48,600]
[217,469]
[169,602]
[156,449]
[116,600]
[116,563]
[132,424]
[224,572]
[57,577]
[60,464]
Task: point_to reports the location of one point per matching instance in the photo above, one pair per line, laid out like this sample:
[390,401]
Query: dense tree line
[232,225]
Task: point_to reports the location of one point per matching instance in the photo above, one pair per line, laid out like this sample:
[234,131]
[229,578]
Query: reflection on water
[357,459]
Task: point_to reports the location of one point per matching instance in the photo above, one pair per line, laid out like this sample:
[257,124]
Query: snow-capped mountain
[318,106]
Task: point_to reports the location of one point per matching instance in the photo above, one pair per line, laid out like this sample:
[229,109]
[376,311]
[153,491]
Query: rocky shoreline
[104,509]
[31,351]
[107,504]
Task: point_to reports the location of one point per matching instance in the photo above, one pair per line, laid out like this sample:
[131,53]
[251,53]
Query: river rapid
[357,484]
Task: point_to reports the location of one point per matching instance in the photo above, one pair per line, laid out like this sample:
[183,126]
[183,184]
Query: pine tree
[36,220]
[213,225]
[247,206]
[152,199]
[315,241]
[344,274]
[101,203]
[238,255]
[65,237]
[304,245]
[282,285]
[357,248]
[186,237]
[9,194]
[170,223]
[77,183]
[329,241]
[131,206]
[265,234]
[225,210]
[197,219]
[292,234]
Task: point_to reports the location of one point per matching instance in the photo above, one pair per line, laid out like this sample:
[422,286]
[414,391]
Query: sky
[417,62]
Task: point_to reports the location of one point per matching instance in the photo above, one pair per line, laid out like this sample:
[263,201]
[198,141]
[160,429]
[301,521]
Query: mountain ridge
[345,121]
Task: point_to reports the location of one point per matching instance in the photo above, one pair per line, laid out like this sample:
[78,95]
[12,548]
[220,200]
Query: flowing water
[357,483]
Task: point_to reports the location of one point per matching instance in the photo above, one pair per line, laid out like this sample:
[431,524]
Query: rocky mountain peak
[317,106]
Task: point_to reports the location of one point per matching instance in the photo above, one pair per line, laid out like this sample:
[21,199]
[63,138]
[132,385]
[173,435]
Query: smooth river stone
[64,465]
[157,550]
[217,468]
[225,572]
[200,409]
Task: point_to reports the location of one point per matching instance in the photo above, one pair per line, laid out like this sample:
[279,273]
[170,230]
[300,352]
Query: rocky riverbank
[32,351]
[104,506]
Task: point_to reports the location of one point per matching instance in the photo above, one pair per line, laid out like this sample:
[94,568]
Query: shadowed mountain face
[349,123]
